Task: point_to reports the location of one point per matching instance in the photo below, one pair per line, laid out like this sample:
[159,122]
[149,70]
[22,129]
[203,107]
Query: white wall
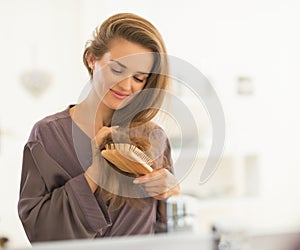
[224,39]
[52,30]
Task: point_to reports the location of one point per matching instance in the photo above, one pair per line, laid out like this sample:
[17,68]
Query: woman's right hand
[92,174]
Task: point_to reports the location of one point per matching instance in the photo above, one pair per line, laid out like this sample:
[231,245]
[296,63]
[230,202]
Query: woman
[68,191]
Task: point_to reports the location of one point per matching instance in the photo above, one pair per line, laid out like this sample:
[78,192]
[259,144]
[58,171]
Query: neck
[91,114]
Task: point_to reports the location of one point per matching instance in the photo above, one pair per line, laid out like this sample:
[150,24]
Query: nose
[125,84]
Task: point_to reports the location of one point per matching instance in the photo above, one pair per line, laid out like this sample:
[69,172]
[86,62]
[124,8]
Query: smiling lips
[118,94]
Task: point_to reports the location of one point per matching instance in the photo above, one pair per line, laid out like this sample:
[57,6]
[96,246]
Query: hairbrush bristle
[125,147]
[128,158]
[141,154]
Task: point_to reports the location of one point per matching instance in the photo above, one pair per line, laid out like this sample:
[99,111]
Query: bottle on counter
[179,218]
[3,241]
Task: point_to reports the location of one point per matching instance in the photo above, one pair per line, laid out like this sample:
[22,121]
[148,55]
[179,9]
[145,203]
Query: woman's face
[121,72]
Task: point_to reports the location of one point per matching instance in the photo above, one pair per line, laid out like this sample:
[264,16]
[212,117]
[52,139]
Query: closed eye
[139,79]
[116,71]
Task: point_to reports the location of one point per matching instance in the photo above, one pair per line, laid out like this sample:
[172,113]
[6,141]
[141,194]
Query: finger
[155,184]
[160,196]
[114,127]
[153,194]
[103,133]
[160,187]
[155,175]
[157,191]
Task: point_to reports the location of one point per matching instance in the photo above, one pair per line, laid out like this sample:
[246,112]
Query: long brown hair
[138,30]
[145,106]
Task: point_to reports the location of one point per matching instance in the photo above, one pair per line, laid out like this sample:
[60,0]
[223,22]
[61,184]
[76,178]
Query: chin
[116,106]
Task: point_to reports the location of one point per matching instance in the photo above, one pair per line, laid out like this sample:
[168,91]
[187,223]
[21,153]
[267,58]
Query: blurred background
[249,51]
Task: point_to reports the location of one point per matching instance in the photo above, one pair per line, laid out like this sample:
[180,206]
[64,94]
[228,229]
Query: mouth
[118,94]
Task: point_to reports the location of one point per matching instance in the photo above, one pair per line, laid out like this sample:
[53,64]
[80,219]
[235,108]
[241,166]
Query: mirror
[243,48]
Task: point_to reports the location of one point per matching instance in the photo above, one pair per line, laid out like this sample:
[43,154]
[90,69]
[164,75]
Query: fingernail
[136,181]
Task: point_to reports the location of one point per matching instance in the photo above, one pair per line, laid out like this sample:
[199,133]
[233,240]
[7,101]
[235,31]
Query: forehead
[132,55]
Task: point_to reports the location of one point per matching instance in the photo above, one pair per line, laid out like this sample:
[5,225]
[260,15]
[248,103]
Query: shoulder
[49,124]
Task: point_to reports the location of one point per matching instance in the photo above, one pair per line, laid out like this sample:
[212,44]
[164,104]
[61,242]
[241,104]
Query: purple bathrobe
[56,202]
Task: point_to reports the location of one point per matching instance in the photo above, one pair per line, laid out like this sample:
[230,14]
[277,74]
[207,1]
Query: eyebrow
[124,66]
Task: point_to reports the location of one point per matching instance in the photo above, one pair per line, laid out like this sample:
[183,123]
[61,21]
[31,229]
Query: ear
[91,60]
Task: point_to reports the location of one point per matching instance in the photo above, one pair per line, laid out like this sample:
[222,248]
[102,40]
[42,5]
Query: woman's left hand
[160,184]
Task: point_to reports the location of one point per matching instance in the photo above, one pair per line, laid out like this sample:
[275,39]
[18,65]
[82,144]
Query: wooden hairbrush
[128,158]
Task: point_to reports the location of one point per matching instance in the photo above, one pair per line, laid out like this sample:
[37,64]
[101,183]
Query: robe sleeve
[161,215]
[55,206]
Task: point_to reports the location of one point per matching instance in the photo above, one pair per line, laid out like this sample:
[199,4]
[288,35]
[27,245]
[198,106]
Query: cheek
[138,87]
[103,81]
